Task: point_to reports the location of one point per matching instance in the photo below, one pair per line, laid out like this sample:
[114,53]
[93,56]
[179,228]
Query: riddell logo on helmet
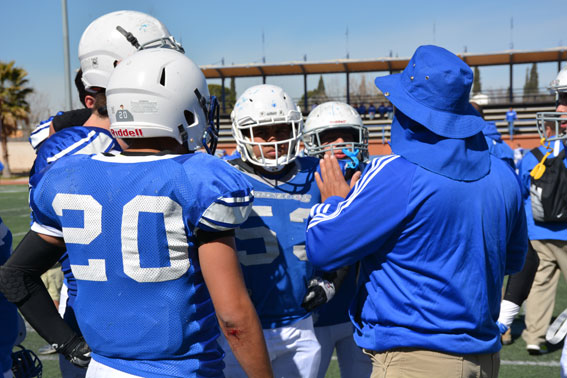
[125,133]
[338,121]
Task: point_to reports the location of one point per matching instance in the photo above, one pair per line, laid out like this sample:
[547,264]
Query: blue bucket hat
[433,90]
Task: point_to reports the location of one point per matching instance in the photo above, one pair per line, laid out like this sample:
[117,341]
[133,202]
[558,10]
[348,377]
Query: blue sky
[31,33]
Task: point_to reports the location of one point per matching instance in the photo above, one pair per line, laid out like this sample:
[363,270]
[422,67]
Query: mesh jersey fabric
[129,224]
[271,243]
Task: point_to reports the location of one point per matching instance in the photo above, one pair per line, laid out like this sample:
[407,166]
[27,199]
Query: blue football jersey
[8,311]
[67,142]
[41,132]
[71,141]
[129,224]
[271,243]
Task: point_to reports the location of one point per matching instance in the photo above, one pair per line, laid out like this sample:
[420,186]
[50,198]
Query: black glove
[76,351]
[319,292]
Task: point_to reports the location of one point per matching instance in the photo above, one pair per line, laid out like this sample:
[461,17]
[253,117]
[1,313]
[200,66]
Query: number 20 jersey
[129,225]
[271,243]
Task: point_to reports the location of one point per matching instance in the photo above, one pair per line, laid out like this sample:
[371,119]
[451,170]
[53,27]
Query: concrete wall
[20,155]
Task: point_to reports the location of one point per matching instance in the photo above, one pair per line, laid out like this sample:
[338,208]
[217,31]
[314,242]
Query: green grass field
[515,360]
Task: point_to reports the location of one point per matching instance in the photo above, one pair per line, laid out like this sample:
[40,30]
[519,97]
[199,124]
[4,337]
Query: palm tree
[13,104]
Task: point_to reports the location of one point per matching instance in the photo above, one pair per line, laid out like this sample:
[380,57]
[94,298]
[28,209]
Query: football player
[149,234]
[104,43]
[267,126]
[22,363]
[8,312]
[336,128]
[547,238]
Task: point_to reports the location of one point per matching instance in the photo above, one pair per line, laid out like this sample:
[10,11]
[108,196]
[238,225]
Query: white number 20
[92,215]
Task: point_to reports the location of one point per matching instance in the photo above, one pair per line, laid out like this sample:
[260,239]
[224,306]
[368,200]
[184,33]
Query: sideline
[516,363]
[15,181]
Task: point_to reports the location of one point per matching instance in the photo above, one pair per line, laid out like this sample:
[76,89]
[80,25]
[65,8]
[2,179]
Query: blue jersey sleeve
[72,141]
[328,249]
[41,132]
[225,197]
[44,220]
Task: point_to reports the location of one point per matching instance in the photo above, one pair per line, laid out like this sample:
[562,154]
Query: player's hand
[76,351]
[331,181]
[319,292]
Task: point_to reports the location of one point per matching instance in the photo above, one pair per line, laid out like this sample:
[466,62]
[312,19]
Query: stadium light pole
[66,55]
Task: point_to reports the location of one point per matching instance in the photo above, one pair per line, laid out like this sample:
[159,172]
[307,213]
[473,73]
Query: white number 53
[249,256]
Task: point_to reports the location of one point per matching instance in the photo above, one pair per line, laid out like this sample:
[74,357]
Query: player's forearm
[21,284]
[42,315]
[246,339]
[235,311]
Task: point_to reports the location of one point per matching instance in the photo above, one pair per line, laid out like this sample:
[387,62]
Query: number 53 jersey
[129,224]
[271,243]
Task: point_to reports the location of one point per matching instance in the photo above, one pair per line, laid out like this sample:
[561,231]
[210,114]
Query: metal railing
[379,129]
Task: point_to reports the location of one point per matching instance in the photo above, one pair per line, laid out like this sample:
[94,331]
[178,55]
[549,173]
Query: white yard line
[14,190]
[531,363]
[23,208]
[517,363]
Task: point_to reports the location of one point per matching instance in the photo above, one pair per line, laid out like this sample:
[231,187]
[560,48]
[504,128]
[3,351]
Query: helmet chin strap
[129,37]
[273,169]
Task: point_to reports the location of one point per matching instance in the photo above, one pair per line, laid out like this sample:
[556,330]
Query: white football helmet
[114,37]
[261,106]
[161,93]
[334,115]
[557,120]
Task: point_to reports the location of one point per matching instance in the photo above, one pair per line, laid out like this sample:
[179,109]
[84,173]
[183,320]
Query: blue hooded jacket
[436,227]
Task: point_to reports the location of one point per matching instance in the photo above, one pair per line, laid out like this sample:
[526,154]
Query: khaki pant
[541,301]
[53,281]
[421,363]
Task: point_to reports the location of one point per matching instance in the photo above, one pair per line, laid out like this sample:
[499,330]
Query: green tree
[316,96]
[534,79]
[527,83]
[321,85]
[229,95]
[531,85]
[232,90]
[476,87]
[13,104]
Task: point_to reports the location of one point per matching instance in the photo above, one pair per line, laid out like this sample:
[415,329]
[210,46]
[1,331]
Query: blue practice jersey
[67,142]
[41,132]
[71,141]
[271,243]
[129,224]
[8,311]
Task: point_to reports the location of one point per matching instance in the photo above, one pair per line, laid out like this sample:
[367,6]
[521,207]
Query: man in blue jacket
[548,239]
[511,116]
[436,227]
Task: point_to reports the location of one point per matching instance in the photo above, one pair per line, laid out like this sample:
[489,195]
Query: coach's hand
[331,181]
[76,351]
